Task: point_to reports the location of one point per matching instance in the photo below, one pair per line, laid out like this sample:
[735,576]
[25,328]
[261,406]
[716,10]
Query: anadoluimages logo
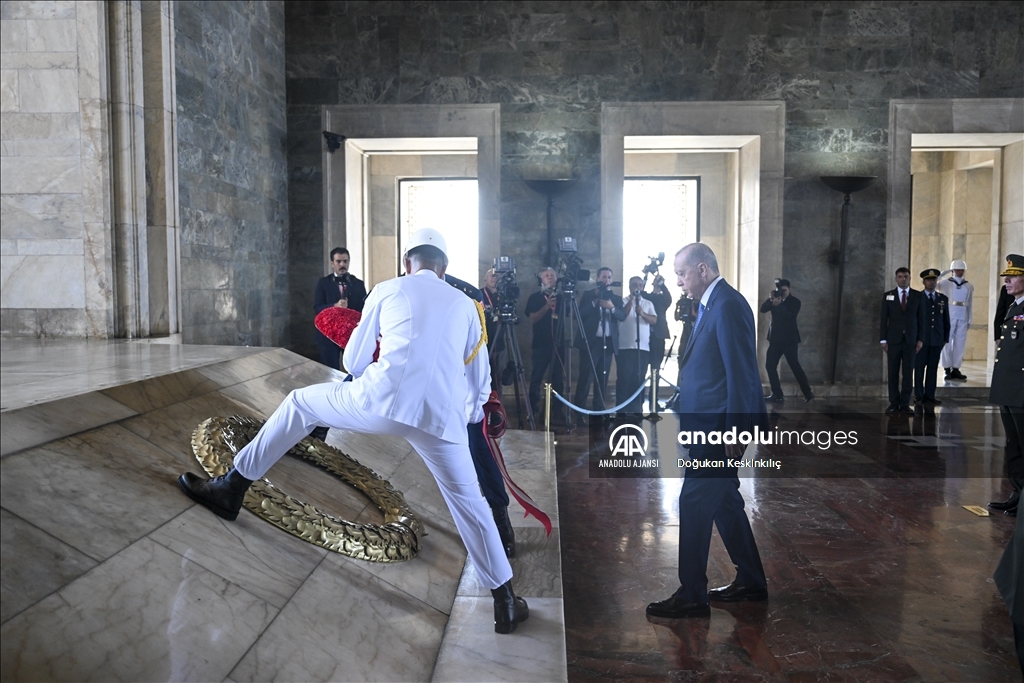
[628,441]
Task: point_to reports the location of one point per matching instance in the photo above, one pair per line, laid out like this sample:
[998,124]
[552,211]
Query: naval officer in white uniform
[432,376]
[960,293]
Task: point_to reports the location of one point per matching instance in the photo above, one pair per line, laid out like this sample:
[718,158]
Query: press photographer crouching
[783,340]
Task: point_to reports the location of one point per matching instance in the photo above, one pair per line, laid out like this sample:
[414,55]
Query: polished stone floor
[110,573]
[875,571]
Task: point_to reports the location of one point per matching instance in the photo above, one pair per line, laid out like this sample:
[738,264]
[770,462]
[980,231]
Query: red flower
[337,324]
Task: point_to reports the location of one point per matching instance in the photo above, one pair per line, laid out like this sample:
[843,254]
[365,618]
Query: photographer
[542,309]
[660,297]
[783,339]
[634,350]
[600,312]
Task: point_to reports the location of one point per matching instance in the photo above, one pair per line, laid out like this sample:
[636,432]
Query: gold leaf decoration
[216,441]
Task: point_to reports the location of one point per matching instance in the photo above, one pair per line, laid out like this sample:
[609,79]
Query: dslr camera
[777,292]
[507,288]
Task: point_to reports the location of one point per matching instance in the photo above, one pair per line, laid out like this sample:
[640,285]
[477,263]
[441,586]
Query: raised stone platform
[110,573]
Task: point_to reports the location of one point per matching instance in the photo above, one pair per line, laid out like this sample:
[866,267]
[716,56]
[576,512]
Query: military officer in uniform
[960,293]
[1008,381]
[431,373]
[934,337]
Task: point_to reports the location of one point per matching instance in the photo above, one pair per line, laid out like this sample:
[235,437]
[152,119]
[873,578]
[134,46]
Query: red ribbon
[519,494]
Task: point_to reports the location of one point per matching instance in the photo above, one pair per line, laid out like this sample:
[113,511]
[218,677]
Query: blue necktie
[700,313]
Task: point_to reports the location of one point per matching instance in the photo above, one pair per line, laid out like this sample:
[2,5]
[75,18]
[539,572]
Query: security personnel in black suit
[1008,381]
[783,340]
[934,335]
[902,323]
[660,297]
[329,292]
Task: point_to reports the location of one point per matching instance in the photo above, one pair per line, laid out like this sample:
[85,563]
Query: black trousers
[657,352]
[631,371]
[901,355]
[487,472]
[1013,425]
[771,366]
[601,348]
[926,371]
[543,357]
[330,354]
[712,497]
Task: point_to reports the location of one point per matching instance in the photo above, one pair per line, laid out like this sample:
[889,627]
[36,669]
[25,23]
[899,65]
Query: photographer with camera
[542,309]
[662,299]
[783,339]
[600,313]
[634,349]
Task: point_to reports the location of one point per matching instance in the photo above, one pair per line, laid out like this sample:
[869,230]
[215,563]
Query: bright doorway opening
[450,206]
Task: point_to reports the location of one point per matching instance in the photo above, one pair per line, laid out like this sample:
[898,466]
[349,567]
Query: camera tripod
[508,354]
[565,331]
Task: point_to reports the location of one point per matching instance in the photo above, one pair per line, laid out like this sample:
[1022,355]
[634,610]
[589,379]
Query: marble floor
[109,573]
[875,570]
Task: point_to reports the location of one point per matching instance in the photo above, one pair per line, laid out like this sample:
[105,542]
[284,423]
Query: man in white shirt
[960,293]
[634,346]
[430,379]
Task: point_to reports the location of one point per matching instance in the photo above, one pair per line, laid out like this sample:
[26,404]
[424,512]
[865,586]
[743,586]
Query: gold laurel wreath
[215,443]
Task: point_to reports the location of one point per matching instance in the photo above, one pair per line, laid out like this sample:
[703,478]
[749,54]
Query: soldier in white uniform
[960,293]
[431,378]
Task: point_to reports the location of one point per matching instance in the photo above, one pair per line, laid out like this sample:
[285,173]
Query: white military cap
[958,264]
[429,237]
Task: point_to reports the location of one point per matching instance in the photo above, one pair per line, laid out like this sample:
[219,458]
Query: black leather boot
[223,495]
[505,531]
[508,609]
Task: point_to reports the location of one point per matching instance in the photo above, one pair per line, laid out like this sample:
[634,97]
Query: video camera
[655,263]
[569,271]
[507,288]
[777,292]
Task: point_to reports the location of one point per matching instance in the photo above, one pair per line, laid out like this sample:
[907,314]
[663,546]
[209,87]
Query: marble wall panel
[64,278]
[50,90]
[10,99]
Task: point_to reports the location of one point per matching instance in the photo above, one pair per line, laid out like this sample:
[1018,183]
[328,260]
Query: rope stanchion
[607,411]
[547,406]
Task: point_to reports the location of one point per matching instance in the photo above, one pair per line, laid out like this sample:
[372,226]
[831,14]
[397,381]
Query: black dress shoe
[891,409]
[509,610]
[907,410]
[1007,504]
[808,398]
[1012,512]
[320,433]
[735,592]
[677,608]
[774,398]
[932,400]
[505,531]
[222,495]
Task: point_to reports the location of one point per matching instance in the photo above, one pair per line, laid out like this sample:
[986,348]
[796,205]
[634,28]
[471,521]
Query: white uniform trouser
[953,352]
[450,463]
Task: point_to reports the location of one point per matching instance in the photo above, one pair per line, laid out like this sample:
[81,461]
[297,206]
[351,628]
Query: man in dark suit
[721,389]
[783,340]
[341,289]
[600,314]
[662,299]
[900,331]
[934,335]
[1008,381]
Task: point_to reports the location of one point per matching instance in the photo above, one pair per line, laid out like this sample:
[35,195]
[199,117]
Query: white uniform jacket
[427,331]
[961,298]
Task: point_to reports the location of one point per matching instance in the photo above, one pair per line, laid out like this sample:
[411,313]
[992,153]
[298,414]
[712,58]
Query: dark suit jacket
[898,326]
[718,374]
[783,329]
[1002,305]
[936,320]
[327,293]
[661,300]
[1008,371]
[590,315]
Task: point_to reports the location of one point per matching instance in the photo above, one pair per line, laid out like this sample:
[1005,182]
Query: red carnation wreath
[337,323]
